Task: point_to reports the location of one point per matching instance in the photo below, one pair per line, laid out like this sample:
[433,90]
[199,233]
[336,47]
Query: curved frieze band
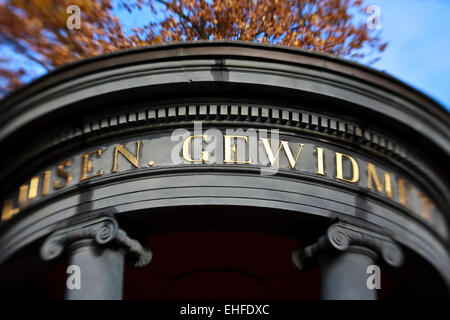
[267,149]
[311,123]
[319,126]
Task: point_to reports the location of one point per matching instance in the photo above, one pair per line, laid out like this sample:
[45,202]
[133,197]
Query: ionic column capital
[342,236]
[103,231]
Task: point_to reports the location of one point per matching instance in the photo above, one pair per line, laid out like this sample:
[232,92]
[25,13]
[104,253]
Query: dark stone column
[344,254]
[344,276]
[101,269]
[97,249]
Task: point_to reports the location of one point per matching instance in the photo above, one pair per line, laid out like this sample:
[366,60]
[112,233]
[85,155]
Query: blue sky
[418,33]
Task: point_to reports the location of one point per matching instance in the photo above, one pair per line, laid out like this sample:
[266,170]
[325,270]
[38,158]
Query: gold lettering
[186,148]
[121,149]
[8,209]
[46,182]
[229,149]
[427,205]
[287,151]
[339,169]
[320,167]
[402,185]
[23,194]
[34,183]
[60,172]
[87,165]
[372,174]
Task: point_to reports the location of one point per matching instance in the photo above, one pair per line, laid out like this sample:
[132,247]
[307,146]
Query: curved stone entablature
[226,123]
[287,153]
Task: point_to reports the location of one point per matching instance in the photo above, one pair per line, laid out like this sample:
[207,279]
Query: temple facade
[223,170]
